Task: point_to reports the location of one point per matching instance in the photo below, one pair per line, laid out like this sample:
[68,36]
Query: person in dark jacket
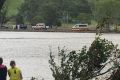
[3,70]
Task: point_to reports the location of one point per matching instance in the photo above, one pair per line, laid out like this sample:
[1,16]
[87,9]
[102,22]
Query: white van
[40,25]
[80,27]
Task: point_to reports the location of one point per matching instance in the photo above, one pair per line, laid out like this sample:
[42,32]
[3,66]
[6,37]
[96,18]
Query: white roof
[40,23]
[81,24]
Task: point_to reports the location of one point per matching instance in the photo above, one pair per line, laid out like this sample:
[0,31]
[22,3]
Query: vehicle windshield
[80,25]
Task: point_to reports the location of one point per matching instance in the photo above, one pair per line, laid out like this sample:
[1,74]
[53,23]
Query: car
[23,26]
[80,27]
[20,26]
[39,26]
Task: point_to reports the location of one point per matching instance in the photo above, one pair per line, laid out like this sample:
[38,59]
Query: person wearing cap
[14,72]
[3,70]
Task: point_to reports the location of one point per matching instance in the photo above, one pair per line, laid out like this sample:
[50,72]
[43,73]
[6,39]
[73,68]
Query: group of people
[14,72]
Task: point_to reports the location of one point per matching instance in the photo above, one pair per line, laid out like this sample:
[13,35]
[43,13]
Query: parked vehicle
[19,26]
[80,27]
[23,26]
[39,26]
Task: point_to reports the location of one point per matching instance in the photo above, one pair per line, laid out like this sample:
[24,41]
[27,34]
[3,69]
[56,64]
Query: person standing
[14,72]
[3,70]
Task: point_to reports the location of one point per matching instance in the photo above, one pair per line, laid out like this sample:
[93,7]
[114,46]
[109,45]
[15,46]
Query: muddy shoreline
[56,30]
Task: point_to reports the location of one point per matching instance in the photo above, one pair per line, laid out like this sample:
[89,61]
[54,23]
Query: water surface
[30,50]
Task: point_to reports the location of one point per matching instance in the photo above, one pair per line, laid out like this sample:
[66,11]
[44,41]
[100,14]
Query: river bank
[66,30]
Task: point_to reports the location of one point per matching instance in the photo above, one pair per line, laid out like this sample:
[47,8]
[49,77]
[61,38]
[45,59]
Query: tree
[108,9]
[3,17]
[86,64]
[3,13]
[19,19]
[53,12]
[30,9]
[41,11]
[2,3]
[71,10]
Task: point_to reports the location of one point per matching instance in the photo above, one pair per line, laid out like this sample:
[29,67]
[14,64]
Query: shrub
[86,63]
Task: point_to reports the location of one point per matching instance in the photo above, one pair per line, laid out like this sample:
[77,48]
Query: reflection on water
[31,49]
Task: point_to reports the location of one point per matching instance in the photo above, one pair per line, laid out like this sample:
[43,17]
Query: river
[31,50]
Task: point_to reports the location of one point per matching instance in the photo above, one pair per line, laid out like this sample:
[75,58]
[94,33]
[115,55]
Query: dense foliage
[55,12]
[87,63]
[109,10]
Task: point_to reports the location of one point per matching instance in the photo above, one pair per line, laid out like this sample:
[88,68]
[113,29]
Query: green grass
[93,25]
[67,25]
[13,6]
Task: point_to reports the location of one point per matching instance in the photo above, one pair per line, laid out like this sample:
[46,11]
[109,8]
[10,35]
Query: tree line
[57,12]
